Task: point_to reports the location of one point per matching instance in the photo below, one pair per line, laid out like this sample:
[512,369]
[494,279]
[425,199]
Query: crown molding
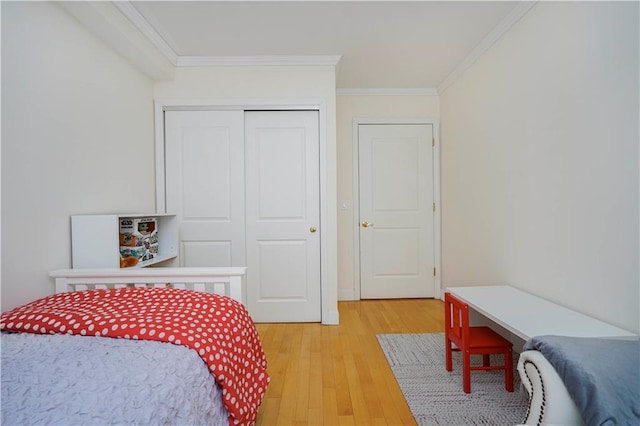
[143,25]
[514,16]
[121,26]
[108,23]
[274,60]
[425,91]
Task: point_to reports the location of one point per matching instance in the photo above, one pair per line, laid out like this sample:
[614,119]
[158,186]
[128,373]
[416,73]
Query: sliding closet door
[283,215]
[204,152]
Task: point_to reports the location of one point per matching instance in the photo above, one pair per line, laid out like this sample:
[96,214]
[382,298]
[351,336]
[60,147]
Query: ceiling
[381,44]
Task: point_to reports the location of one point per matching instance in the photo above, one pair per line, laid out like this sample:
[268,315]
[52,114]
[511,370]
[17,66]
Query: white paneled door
[396,210]
[204,172]
[283,215]
[245,187]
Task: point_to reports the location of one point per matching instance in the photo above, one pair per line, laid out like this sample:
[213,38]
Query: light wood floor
[338,375]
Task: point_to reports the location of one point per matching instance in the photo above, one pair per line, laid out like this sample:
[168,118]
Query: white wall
[77,137]
[266,85]
[348,108]
[540,161]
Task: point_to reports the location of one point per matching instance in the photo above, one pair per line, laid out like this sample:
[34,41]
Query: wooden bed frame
[225,281]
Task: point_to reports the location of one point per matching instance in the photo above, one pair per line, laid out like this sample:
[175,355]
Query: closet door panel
[283,215]
[204,153]
[245,187]
[281,174]
[204,253]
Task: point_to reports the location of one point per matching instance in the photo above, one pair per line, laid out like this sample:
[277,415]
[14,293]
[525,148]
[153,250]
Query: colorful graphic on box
[133,251]
[138,239]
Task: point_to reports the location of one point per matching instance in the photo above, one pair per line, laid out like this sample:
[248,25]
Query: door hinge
[434,207]
[433,141]
[434,272]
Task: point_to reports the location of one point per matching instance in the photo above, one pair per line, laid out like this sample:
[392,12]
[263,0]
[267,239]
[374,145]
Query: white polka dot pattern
[218,328]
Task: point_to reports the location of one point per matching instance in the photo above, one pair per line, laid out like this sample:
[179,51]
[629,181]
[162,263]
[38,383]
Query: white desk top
[526,315]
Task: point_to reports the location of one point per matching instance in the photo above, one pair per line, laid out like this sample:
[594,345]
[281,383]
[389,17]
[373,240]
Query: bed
[579,380]
[134,346]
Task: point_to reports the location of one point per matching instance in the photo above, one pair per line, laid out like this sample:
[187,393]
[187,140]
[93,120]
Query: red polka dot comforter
[218,328]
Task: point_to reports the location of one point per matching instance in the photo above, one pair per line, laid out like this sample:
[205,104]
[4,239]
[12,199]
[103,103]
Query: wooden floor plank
[338,375]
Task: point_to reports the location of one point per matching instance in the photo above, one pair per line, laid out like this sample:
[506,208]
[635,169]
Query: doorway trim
[329,312]
[357,121]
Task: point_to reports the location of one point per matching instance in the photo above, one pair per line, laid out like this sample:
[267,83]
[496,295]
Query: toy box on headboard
[123,240]
[138,240]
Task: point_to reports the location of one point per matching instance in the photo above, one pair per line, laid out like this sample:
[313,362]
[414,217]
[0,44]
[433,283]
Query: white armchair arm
[549,401]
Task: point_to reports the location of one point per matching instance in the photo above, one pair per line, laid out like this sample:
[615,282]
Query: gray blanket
[601,375]
[82,380]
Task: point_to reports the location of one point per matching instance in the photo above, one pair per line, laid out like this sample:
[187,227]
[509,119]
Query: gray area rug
[435,396]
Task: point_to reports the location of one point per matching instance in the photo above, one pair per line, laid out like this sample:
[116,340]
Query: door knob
[312,229]
[366,224]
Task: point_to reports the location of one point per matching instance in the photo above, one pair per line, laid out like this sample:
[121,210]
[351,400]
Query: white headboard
[226,281]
